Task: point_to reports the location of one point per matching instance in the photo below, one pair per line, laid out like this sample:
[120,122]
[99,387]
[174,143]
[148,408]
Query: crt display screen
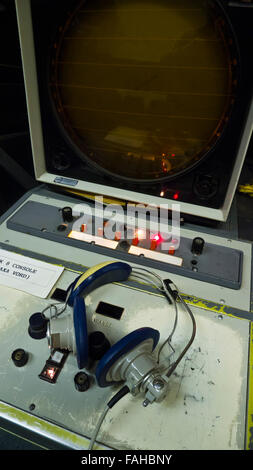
[143,88]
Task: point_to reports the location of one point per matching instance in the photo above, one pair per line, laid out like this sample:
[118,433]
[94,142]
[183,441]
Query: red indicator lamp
[157,237]
[51,372]
[140,234]
[156,240]
[175,196]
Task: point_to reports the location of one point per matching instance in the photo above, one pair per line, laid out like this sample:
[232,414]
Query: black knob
[62,227]
[82,381]
[20,357]
[98,345]
[67,214]
[197,245]
[37,326]
[125,245]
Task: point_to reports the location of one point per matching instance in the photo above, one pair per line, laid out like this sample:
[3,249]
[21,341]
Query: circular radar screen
[143,89]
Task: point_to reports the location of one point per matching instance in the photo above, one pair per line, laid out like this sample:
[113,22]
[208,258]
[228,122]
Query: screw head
[158,384]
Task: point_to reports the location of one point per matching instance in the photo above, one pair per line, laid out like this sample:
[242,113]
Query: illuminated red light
[175,196]
[157,238]
[51,373]
[140,234]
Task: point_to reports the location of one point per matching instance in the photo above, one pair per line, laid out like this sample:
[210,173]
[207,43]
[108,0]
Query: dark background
[15,147]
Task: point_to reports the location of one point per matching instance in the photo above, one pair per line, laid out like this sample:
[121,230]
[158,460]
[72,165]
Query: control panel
[159,249]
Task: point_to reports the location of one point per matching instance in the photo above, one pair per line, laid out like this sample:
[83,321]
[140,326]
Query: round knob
[197,245]
[67,214]
[19,357]
[37,326]
[82,381]
[125,245]
[98,345]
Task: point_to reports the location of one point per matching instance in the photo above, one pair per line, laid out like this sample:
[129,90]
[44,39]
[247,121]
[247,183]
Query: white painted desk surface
[206,404]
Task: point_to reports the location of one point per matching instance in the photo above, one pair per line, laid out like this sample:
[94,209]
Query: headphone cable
[115,399]
[180,357]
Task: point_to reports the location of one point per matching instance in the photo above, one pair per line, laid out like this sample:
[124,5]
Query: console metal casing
[25,25]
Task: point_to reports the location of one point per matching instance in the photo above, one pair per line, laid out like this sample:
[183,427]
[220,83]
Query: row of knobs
[197,244]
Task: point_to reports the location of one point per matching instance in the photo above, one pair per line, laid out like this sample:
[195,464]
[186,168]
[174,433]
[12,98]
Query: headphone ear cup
[123,346]
[81,333]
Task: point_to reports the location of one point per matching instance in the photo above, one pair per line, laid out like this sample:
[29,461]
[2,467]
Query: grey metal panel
[24,243]
[217,265]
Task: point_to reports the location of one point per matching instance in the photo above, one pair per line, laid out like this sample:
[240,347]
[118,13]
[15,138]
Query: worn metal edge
[42,427]
[249,426]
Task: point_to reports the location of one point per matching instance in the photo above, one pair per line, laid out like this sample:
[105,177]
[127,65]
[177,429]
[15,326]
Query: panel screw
[158,384]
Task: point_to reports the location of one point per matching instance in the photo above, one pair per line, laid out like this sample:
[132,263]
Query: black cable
[180,357]
[120,394]
[115,399]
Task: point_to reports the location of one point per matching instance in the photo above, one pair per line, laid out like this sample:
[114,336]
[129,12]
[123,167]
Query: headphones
[93,278]
[131,359]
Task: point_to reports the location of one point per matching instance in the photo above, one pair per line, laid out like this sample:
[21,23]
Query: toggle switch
[117,236]
[171,250]
[100,232]
[135,241]
[153,244]
[67,214]
[84,228]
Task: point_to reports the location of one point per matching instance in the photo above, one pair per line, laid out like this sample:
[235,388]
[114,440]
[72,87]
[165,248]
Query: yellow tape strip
[40,426]
[249,443]
[201,303]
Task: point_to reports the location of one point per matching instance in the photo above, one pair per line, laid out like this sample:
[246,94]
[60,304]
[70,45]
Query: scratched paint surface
[205,407]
